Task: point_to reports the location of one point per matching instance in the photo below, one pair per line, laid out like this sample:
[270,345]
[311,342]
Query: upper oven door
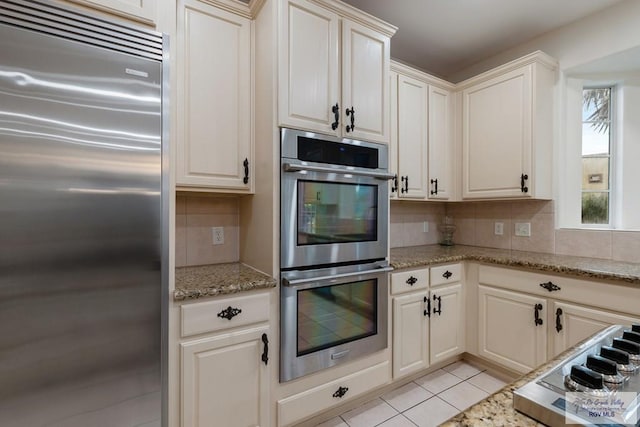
[332,213]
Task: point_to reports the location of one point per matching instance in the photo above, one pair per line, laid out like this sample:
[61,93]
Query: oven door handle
[292,167]
[297,282]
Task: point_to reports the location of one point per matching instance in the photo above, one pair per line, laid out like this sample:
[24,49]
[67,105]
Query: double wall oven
[334,244]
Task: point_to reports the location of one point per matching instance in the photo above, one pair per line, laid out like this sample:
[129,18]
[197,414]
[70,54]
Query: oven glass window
[334,315]
[330,212]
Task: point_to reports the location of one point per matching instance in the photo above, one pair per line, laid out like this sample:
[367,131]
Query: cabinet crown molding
[237,7]
[363,18]
[537,57]
[409,71]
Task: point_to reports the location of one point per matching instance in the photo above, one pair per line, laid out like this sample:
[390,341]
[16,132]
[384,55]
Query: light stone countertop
[592,268]
[218,279]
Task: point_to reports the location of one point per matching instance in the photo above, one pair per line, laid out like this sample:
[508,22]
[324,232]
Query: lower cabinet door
[225,381]
[447,330]
[512,329]
[410,333]
[573,323]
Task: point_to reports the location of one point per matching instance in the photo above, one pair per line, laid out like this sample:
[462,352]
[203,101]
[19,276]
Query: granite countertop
[497,409]
[593,268]
[218,279]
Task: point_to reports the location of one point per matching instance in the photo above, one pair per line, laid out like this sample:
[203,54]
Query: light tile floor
[425,402]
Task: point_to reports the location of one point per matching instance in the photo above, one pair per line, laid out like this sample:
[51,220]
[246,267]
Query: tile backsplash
[195,216]
[475,222]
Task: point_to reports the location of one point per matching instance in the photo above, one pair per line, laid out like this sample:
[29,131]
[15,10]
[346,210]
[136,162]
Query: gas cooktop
[598,384]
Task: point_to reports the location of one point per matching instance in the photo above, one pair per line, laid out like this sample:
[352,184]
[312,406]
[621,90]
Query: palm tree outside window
[596,155]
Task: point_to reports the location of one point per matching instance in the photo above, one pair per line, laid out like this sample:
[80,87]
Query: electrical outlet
[218,235]
[425,226]
[498,228]
[523,229]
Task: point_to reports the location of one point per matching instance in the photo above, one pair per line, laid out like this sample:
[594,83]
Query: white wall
[610,31]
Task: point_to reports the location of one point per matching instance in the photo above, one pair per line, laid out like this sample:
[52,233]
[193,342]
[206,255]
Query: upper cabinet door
[137,10]
[496,140]
[412,138]
[440,144]
[214,98]
[365,83]
[309,77]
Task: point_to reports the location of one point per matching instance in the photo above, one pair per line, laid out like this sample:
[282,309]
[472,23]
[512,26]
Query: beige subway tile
[413,234]
[625,246]
[542,237]
[213,220]
[524,207]
[485,233]
[181,205]
[395,235]
[181,241]
[489,210]
[586,243]
[206,204]
[465,233]
[200,249]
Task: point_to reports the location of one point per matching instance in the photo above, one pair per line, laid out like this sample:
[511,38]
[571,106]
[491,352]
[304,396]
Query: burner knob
[626,345]
[631,336]
[586,377]
[635,327]
[615,355]
[601,365]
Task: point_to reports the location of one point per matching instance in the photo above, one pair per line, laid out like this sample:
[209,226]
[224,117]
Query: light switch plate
[523,229]
[425,226]
[498,228]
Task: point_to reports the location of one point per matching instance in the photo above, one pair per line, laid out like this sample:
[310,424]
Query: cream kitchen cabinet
[507,119]
[214,147]
[225,365]
[334,70]
[573,323]
[447,312]
[413,137]
[428,324]
[422,135]
[525,318]
[144,11]
[512,329]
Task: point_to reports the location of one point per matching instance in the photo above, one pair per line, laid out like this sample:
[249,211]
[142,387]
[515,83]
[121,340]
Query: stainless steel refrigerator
[82,220]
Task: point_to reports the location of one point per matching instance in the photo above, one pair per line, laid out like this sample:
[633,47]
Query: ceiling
[443,37]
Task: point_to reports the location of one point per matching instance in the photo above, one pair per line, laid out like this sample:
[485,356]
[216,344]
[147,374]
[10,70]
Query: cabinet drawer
[603,294]
[224,313]
[406,281]
[323,397]
[444,274]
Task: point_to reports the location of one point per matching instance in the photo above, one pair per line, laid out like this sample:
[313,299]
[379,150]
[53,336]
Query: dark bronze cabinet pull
[447,274]
[523,178]
[405,181]
[537,309]
[435,191]
[394,186]
[427,311]
[265,349]
[411,281]
[229,313]
[550,286]
[340,392]
[438,310]
[558,320]
[351,112]
[336,116]
[246,171]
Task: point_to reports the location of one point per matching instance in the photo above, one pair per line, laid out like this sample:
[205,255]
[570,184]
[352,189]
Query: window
[597,128]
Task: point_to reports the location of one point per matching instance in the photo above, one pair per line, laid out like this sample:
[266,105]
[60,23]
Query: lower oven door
[330,316]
